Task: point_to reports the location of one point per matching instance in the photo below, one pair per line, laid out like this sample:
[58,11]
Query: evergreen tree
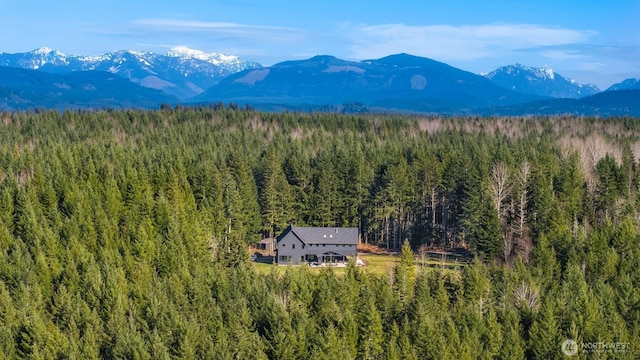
[124,233]
[513,346]
[609,187]
[370,338]
[404,275]
[249,211]
[275,196]
[544,337]
[325,200]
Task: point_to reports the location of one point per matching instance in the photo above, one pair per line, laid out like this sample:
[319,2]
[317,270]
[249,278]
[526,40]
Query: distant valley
[397,83]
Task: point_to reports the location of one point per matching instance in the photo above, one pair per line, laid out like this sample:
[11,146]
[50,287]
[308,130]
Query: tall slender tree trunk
[433,207]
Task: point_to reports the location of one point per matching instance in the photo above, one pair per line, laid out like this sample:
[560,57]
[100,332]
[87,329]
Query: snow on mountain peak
[137,53]
[44,56]
[45,52]
[189,71]
[541,81]
[183,51]
[42,51]
[544,72]
[213,58]
[547,72]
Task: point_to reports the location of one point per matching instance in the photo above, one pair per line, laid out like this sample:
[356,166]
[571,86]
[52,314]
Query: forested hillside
[123,234]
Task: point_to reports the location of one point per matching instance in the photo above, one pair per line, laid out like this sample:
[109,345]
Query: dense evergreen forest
[123,235]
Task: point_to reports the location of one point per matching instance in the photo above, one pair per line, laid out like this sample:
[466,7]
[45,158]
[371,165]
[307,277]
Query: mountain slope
[27,89]
[400,81]
[539,81]
[607,103]
[628,84]
[182,72]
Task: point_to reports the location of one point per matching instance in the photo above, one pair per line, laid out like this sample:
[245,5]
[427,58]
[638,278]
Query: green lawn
[377,264]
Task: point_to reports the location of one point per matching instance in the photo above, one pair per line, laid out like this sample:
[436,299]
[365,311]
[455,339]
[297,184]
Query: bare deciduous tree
[507,245]
[500,188]
[524,244]
[423,251]
[526,295]
[523,178]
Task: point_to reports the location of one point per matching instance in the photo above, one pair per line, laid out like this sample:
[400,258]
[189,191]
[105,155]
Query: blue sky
[591,41]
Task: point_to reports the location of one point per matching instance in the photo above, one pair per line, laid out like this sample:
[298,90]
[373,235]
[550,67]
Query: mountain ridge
[397,83]
[541,81]
[607,103]
[627,84]
[329,80]
[23,89]
[182,72]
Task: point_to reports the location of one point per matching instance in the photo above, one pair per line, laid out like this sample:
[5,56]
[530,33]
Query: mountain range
[397,82]
[182,72]
[541,81]
[402,82]
[628,84]
[23,89]
[607,103]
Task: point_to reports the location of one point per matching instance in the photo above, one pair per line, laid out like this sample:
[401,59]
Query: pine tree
[370,338]
[275,196]
[299,176]
[249,215]
[492,337]
[544,337]
[404,275]
[325,200]
[513,346]
[610,186]
[487,233]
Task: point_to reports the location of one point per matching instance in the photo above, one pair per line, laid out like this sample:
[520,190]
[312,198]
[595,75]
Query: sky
[591,41]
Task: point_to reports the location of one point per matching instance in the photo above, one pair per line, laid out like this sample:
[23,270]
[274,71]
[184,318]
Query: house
[267,246]
[322,245]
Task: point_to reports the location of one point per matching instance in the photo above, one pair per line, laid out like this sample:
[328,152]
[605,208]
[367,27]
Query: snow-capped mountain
[628,84]
[184,53]
[182,72]
[542,81]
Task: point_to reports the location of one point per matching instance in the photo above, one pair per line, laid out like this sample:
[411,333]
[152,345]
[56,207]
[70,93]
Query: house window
[293,246]
[284,259]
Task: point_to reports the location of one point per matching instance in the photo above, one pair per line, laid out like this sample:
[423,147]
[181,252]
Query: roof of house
[323,235]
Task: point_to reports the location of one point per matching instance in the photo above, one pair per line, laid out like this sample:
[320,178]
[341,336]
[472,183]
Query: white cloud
[590,66]
[448,42]
[562,54]
[242,31]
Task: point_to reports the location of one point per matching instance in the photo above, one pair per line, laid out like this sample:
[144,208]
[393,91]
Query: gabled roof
[323,235]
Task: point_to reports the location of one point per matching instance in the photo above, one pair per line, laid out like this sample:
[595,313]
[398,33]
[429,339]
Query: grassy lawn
[377,264]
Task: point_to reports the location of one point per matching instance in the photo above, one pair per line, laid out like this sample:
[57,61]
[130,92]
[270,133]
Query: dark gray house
[324,245]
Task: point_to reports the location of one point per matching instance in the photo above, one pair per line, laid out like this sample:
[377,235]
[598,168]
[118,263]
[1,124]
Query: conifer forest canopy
[124,234]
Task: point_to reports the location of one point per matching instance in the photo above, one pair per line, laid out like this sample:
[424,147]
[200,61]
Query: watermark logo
[569,347]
